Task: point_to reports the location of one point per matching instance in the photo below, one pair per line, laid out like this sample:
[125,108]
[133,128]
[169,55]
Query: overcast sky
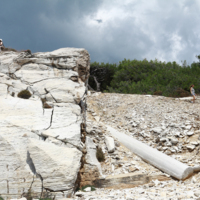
[110,30]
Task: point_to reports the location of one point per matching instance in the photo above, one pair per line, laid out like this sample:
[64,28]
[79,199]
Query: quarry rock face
[40,137]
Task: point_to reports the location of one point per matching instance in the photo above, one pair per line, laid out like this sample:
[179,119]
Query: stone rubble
[167,124]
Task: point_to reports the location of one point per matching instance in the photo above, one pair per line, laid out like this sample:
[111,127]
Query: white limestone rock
[64,58]
[65,124]
[174,141]
[58,166]
[191,147]
[33,73]
[190,133]
[17,174]
[25,113]
[157,130]
[110,144]
[3,89]
[60,77]
[69,134]
[62,90]
[65,116]
[7,62]
[91,154]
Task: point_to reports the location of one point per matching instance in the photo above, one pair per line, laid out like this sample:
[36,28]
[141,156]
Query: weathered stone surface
[41,147]
[58,166]
[91,154]
[3,89]
[8,64]
[65,124]
[33,73]
[62,90]
[16,173]
[110,143]
[25,113]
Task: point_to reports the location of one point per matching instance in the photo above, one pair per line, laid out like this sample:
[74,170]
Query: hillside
[170,125]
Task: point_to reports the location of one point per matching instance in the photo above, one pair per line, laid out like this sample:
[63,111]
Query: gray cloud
[99,20]
[110,30]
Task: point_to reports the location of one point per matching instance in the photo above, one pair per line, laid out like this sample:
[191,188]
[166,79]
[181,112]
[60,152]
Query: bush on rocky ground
[179,92]
[100,155]
[24,94]
[157,93]
[11,49]
[8,49]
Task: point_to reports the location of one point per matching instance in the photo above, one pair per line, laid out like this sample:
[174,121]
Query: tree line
[145,77]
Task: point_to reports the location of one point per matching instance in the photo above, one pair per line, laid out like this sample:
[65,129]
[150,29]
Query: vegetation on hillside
[145,77]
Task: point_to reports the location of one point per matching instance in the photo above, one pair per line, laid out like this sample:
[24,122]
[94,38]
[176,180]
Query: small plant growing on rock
[24,94]
[100,155]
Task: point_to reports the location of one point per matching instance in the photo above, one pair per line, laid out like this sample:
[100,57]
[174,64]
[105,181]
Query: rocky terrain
[40,136]
[48,143]
[170,125]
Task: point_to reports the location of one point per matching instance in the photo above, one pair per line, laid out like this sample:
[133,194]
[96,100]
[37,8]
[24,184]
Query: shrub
[179,92]
[8,49]
[100,155]
[157,93]
[1,198]
[24,94]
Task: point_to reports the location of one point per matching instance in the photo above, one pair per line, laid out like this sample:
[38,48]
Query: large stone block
[40,147]
[58,166]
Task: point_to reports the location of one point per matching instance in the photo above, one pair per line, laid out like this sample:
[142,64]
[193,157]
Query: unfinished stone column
[156,158]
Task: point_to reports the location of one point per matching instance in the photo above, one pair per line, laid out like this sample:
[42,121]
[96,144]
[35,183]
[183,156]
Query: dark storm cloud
[110,30]
[99,20]
[22,26]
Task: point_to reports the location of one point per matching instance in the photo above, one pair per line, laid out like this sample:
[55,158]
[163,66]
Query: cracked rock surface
[40,147]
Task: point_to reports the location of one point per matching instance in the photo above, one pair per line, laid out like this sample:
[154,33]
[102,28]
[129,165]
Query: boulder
[57,170]
[41,148]
[110,144]
[91,154]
